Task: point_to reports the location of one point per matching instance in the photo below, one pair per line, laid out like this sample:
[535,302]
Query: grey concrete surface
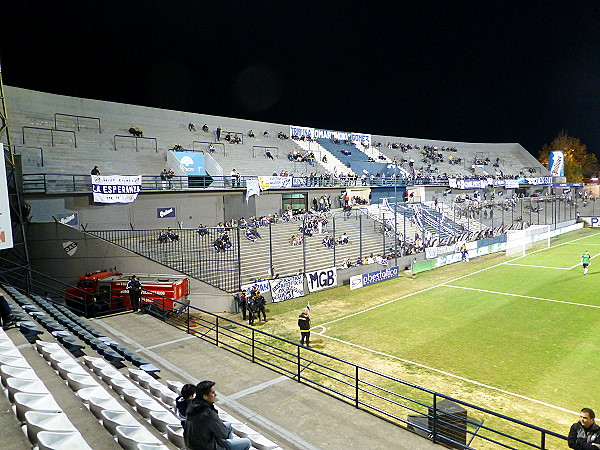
[289,413]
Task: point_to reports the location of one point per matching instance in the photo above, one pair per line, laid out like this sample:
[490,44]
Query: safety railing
[274,151]
[21,148]
[77,120]
[136,140]
[52,131]
[207,147]
[436,416]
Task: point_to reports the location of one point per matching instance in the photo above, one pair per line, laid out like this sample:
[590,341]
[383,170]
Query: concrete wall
[46,250]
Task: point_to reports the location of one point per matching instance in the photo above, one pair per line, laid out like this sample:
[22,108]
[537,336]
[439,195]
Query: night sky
[463,71]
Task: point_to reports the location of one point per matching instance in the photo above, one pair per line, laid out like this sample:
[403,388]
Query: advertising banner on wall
[192,162]
[6,238]
[116,188]
[274,182]
[263,286]
[163,213]
[343,136]
[367,279]
[71,219]
[321,279]
[301,131]
[287,288]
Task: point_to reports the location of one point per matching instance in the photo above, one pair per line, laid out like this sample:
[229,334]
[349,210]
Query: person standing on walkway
[135,288]
[304,325]
[585,261]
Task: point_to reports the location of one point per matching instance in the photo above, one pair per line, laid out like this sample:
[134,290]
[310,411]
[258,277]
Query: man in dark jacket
[304,325]
[585,434]
[203,429]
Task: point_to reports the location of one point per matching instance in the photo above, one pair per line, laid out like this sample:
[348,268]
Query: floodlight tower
[14,261]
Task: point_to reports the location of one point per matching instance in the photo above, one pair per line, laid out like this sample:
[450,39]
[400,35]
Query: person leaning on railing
[585,434]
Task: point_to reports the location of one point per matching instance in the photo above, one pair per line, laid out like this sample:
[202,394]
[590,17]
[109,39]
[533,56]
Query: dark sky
[465,71]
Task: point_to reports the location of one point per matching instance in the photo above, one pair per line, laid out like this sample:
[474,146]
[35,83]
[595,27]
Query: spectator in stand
[235,178]
[182,402]
[95,171]
[251,133]
[136,131]
[191,127]
[211,148]
[172,235]
[202,230]
[163,178]
[585,434]
[266,134]
[205,128]
[203,427]
[170,175]
[218,133]
[268,155]
[6,313]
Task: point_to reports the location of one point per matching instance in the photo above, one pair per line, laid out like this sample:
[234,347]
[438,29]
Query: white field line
[446,282]
[431,368]
[524,296]
[539,267]
[451,375]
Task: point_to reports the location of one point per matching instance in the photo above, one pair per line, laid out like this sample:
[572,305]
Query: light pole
[396,211]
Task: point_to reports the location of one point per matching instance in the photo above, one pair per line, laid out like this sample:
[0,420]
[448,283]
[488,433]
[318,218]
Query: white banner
[343,136]
[301,131]
[432,252]
[252,188]
[287,288]
[321,279]
[116,188]
[6,238]
[511,184]
[263,287]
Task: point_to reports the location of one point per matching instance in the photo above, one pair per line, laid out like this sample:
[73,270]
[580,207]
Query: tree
[579,163]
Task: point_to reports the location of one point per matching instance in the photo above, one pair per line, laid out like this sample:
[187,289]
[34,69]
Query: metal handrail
[136,141]
[208,143]
[31,147]
[51,130]
[78,117]
[265,148]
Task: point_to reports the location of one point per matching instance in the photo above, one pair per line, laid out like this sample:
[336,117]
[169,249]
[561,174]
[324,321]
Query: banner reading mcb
[116,188]
[6,239]
[556,164]
[366,279]
[321,279]
[287,288]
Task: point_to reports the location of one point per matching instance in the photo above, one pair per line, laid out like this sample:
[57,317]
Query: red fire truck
[103,292]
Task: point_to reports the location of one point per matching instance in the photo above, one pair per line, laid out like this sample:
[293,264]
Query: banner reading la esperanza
[116,188]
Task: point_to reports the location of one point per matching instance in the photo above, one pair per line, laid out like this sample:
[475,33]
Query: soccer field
[516,335]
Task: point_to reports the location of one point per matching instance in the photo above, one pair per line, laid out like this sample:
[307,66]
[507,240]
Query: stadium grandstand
[226,203]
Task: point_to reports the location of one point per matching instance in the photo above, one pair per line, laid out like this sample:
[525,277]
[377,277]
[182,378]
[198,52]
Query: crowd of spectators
[168,235]
[297,156]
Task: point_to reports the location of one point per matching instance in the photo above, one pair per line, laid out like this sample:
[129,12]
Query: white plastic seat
[175,435]
[98,404]
[39,345]
[135,374]
[7,345]
[109,374]
[47,350]
[242,430]
[96,391]
[34,402]
[155,388]
[23,373]
[60,440]
[168,396]
[15,361]
[160,420]
[46,421]
[129,437]
[145,380]
[70,367]
[144,406]
[262,443]
[15,385]
[119,385]
[77,382]
[175,386]
[152,447]
[130,395]
[59,357]
[112,419]
[89,360]
[100,365]
[7,351]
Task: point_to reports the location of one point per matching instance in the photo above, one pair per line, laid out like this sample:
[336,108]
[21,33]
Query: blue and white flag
[252,188]
[556,164]
[116,188]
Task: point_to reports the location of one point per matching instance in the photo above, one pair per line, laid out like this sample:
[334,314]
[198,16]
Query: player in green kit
[585,261]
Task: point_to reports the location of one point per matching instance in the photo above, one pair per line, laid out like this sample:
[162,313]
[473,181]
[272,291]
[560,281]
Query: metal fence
[436,416]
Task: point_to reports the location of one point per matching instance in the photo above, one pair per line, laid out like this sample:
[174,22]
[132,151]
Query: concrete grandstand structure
[60,139]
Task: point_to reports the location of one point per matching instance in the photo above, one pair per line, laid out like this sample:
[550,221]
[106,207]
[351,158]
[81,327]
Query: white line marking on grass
[524,296]
[451,375]
[579,264]
[540,267]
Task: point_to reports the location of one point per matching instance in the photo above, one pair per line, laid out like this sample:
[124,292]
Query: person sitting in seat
[136,131]
[266,134]
[268,154]
[163,237]
[251,133]
[171,235]
[328,242]
[249,235]
[211,148]
[191,126]
[227,244]
[205,128]
[343,239]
